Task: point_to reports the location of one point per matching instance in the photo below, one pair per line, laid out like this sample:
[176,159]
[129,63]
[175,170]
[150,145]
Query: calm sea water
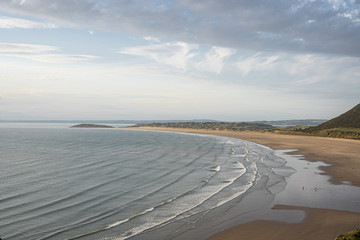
[63,183]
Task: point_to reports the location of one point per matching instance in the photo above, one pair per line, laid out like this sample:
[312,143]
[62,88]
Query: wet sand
[344,157]
[319,224]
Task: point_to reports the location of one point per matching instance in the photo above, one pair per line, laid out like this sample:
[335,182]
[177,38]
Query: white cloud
[310,68]
[214,59]
[30,91]
[8,22]
[299,71]
[182,55]
[176,54]
[41,53]
[152,39]
[58,58]
[257,62]
[16,48]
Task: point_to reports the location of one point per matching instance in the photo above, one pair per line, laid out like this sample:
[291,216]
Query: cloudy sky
[178,59]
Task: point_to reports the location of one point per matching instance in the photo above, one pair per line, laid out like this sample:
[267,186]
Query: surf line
[215,170]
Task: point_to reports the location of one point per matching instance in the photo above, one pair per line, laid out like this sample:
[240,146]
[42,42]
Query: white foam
[235,195]
[128,219]
[239,165]
[176,208]
[117,223]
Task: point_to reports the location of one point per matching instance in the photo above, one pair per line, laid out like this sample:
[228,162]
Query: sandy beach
[319,224]
[344,157]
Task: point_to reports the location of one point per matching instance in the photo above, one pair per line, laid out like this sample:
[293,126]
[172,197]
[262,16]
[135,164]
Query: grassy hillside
[355,235]
[347,125]
[350,119]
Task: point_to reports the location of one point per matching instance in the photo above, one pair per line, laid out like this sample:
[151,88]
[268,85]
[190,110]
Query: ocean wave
[129,184]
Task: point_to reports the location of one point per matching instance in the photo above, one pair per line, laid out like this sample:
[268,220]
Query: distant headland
[346,125]
[90,125]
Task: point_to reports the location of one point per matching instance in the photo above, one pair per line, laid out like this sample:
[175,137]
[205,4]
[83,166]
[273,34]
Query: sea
[58,182]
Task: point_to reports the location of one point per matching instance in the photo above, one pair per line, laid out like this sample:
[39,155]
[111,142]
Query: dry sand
[322,224]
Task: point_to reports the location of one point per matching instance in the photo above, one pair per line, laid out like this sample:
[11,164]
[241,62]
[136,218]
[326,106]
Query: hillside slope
[350,119]
[347,125]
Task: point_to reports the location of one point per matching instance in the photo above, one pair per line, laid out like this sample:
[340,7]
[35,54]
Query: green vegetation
[242,126]
[355,235]
[295,122]
[347,125]
[349,133]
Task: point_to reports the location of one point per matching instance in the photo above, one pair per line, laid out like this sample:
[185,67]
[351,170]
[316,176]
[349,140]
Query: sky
[232,60]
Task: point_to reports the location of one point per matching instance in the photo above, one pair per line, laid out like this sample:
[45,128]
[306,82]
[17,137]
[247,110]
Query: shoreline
[344,157]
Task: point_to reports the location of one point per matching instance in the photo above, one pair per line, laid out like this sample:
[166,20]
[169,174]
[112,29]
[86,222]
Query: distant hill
[89,125]
[236,126]
[350,119]
[294,122]
[347,125]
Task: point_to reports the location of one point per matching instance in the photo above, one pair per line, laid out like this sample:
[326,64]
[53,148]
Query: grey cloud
[262,25]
